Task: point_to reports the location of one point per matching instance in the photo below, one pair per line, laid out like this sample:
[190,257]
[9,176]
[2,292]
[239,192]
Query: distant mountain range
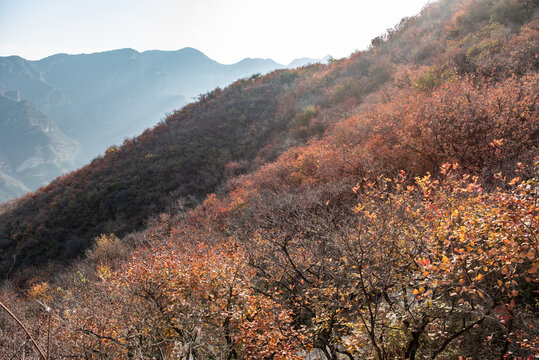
[59,112]
[33,149]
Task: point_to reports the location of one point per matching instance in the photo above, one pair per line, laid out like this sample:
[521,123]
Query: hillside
[188,155]
[101,98]
[382,206]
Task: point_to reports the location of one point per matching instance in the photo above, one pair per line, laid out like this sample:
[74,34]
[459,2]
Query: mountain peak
[304,61]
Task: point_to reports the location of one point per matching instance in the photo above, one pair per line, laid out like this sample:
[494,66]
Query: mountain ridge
[301,61]
[381,206]
[99,99]
[265,115]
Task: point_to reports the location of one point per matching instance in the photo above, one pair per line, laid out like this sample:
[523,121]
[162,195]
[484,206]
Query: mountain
[307,61]
[23,76]
[188,154]
[238,129]
[11,188]
[379,206]
[32,147]
[99,99]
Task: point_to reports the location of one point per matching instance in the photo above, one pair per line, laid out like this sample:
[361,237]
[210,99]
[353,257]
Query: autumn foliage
[381,207]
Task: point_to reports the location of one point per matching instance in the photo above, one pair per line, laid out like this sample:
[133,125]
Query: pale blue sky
[226,31]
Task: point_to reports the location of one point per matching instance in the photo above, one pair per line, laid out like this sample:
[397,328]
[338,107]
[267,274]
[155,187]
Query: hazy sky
[225,30]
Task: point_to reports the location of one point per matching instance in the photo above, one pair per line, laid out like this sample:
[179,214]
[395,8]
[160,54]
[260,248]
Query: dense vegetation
[96,100]
[383,206]
[185,156]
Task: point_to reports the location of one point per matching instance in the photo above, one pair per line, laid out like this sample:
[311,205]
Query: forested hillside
[383,206]
[99,99]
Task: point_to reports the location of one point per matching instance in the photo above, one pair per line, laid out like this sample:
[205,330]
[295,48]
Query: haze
[226,31]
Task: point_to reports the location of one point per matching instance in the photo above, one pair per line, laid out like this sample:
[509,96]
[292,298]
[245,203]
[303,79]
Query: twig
[25,330]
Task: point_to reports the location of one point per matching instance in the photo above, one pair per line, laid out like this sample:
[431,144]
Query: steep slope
[253,120]
[401,224]
[99,99]
[186,155]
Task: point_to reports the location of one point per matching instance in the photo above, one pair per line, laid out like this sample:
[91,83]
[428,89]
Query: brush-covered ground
[383,206]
